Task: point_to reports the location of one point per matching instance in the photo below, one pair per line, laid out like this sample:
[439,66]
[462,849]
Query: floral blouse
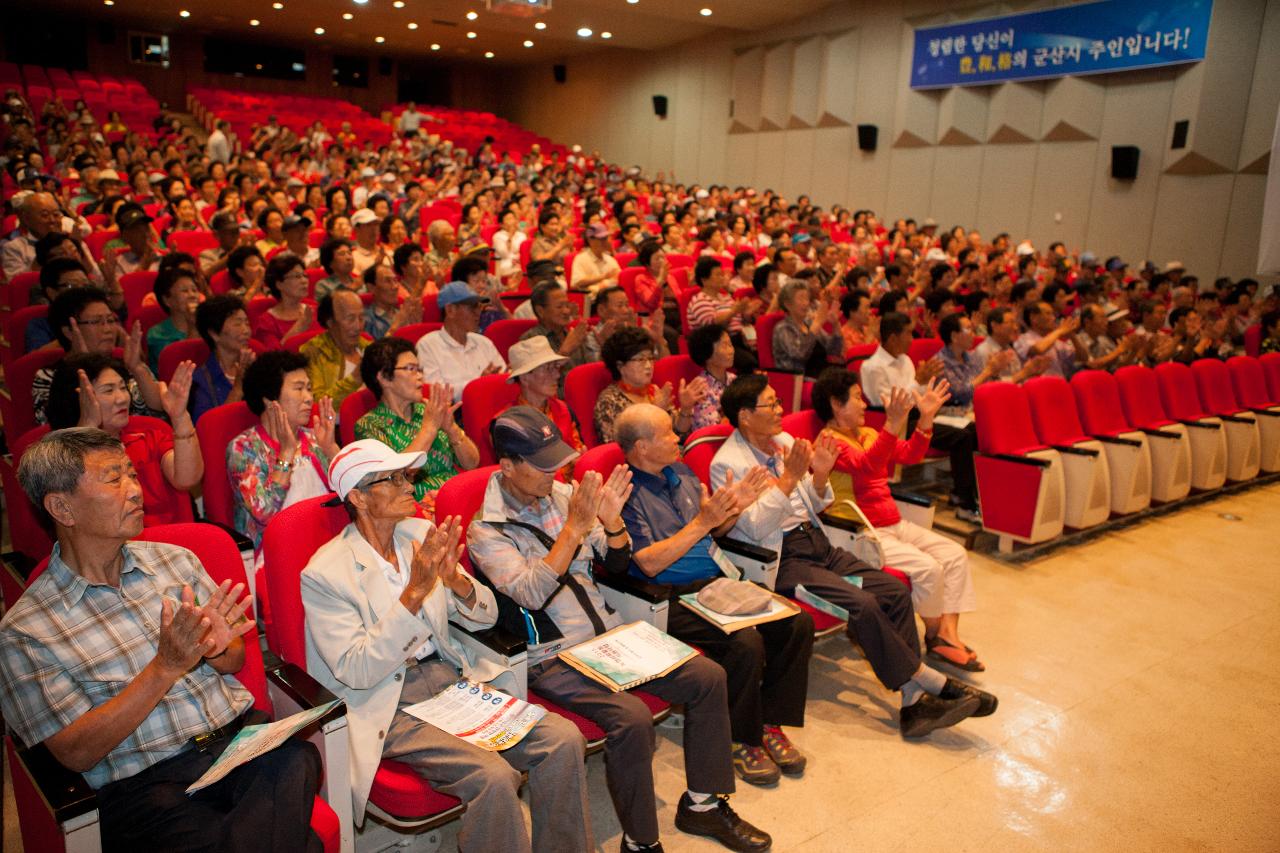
[706,412]
[250,457]
[395,432]
[612,401]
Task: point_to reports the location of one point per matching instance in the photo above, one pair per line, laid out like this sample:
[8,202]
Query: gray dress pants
[489,782]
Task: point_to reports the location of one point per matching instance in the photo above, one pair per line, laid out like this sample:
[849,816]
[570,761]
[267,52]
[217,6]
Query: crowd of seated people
[318,284]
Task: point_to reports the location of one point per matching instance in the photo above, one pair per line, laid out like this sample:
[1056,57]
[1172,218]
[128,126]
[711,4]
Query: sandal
[945,652]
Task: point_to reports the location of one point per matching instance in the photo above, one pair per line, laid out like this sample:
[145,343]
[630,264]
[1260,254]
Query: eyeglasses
[399,478]
[642,358]
[99,321]
[411,368]
[772,404]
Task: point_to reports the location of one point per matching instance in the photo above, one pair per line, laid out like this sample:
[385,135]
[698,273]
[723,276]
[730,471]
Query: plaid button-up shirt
[70,646]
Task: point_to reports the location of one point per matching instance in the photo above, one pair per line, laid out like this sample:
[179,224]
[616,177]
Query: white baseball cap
[363,216]
[367,456]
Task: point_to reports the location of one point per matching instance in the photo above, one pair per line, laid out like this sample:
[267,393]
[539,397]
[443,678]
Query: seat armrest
[243,543]
[636,600]
[302,690]
[1076,451]
[1237,419]
[850,525]
[66,792]
[1200,424]
[496,639]
[1162,433]
[1021,460]
[915,498]
[740,548]
[1116,439]
[653,593]
[1268,413]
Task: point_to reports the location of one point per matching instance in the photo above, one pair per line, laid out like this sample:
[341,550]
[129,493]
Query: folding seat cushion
[1208,439]
[1167,440]
[1128,456]
[1249,383]
[1218,397]
[1086,476]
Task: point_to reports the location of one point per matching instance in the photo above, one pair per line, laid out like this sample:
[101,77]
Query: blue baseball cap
[456,292]
[525,433]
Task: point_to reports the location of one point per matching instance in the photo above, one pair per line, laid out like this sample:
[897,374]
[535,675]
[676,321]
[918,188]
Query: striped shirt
[71,646]
[703,310]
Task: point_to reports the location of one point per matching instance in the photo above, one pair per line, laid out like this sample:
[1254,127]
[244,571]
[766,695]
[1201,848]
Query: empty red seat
[1250,385]
[1213,380]
[1086,476]
[1128,457]
[1167,440]
[1208,439]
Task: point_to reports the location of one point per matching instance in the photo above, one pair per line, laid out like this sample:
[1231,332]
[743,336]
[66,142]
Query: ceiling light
[413,25]
[435,47]
[633,2]
[585,32]
[361,2]
[379,39]
[471,16]
[277,6]
[108,2]
[541,25]
[253,22]
[346,16]
[471,35]
[399,4]
[488,54]
[528,43]
[319,31]
[706,13]
[606,35]
[184,14]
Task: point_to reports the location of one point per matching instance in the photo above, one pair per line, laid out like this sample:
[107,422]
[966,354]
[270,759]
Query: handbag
[866,544]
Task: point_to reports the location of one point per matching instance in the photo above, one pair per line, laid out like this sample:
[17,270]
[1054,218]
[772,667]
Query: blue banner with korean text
[1089,38]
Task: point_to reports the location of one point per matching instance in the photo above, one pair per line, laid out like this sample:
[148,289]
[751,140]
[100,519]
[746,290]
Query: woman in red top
[288,282]
[941,583]
[90,390]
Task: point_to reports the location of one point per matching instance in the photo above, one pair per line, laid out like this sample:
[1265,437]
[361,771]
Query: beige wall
[1029,158]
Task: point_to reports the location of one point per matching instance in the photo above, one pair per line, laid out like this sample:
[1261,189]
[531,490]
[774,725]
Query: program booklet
[628,655]
[817,602]
[479,714]
[252,741]
[779,608]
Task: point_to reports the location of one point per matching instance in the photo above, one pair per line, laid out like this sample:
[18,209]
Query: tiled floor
[1139,694]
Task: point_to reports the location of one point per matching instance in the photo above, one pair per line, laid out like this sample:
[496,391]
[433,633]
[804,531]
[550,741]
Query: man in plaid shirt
[121,653]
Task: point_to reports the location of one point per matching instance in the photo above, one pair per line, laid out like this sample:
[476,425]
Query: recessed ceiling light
[435,47]
[319,31]
[346,16]
[184,14]
[108,2]
[277,6]
[528,43]
[471,16]
[413,25]
[488,54]
[633,2]
[379,39]
[606,35]
[471,35]
[706,13]
[399,4]
[361,2]
[585,32]
[541,25]
[253,22]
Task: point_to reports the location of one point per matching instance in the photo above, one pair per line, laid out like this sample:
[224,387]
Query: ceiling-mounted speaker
[867,136]
[1124,162]
[560,72]
[660,106]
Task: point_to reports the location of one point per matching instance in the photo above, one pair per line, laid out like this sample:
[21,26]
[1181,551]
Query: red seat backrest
[413,331]
[677,260]
[136,285]
[25,530]
[1098,401]
[220,282]
[97,240]
[16,328]
[504,333]
[1253,340]
[1140,397]
[353,408]
[482,399]
[462,495]
[1250,383]
[19,287]
[673,368]
[683,298]
[627,281]
[193,242]
[1214,382]
[923,349]
[295,342]
[700,448]
[191,349]
[1003,418]
[218,554]
[764,337]
[1271,369]
[20,414]
[1178,391]
[582,388]
[291,538]
[216,428]
[803,424]
[601,459]
[1053,410]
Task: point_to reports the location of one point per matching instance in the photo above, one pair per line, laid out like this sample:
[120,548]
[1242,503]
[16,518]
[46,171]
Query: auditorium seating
[1241,425]
[1172,474]
[1128,458]
[1208,439]
[1250,387]
[1086,476]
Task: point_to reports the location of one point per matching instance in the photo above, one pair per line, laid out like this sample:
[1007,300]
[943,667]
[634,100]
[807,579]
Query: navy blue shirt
[210,387]
[658,508]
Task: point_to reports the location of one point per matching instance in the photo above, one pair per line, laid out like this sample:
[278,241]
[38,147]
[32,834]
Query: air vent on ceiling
[440,23]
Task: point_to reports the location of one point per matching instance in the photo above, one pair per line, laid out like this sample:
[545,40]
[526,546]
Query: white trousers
[938,568]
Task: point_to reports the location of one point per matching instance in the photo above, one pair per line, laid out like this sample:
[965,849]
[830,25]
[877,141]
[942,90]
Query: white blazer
[359,636]
[762,523]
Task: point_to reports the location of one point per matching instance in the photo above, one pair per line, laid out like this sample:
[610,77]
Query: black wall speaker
[384,66]
[1124,162]
[867,135]
[561,73]
[660,106]
[1180,129]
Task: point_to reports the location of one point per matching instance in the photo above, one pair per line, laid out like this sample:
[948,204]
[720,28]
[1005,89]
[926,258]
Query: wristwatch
[284,465]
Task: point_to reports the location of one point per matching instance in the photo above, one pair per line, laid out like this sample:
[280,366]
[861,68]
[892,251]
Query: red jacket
[869,463]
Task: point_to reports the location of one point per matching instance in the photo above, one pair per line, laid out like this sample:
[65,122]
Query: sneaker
[754,766]
[790,760]
[973,516]
[723,824]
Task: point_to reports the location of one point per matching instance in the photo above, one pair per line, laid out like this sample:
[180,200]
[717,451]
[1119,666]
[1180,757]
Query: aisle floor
[1137,677]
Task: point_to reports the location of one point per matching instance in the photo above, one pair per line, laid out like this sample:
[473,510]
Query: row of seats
[1055,455]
